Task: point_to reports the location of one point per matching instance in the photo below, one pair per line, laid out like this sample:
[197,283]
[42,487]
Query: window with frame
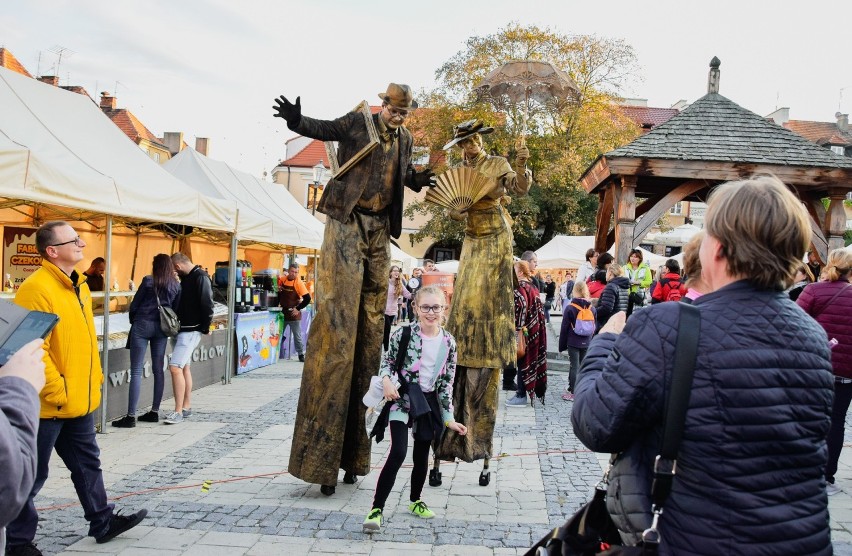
[837,149]
[420,156]
[677,208]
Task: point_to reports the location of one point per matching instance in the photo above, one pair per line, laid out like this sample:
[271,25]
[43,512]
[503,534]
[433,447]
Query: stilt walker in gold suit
[482,317]
[364,207]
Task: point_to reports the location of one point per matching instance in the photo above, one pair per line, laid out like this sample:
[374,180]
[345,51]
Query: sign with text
[20,256]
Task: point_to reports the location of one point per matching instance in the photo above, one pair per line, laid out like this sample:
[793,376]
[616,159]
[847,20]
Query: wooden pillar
[603,217]
[835,218]
[625,219]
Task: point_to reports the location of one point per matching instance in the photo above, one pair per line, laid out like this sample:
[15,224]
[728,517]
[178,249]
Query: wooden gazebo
[712,141]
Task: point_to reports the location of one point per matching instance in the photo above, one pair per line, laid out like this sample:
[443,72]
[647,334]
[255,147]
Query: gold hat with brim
[399,96]
[467,129]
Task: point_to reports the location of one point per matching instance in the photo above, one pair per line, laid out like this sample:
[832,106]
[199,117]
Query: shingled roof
[8,61]
[715,128]
[821,133]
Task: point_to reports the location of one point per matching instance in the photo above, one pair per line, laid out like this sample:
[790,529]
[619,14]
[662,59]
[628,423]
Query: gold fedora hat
[399,96]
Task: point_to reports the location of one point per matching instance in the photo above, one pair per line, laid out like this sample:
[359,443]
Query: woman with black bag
[752,454]
[159,289]
[427,370]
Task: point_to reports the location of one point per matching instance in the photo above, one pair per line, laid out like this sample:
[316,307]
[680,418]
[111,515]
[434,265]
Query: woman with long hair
[829,302]
[395,289]
[160,285]
[529,320]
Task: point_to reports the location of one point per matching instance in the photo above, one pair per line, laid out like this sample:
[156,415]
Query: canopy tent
[268,213]
[564,251]
[407,261]
[59,151]
[676,236]
[451,266]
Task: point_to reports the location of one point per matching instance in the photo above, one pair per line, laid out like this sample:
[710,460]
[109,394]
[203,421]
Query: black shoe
[328,490]
[126,422]
[119,524]
[512,386]
[302,357]
[350,478]
[150,417]
[28,549]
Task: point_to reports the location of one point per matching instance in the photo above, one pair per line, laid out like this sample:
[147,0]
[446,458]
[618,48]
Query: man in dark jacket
[195,312]
[364,206]
[751,462]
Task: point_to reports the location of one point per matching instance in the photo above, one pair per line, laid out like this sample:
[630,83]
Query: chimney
[173,140]
[713,78]
[50,80]
[781,116]
[842,121]
[107,101]
[202,145]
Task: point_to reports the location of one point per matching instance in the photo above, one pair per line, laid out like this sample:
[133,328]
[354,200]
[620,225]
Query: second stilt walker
[482,317]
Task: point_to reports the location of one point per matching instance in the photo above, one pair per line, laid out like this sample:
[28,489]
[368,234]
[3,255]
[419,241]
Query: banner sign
[20,256]
[258,340]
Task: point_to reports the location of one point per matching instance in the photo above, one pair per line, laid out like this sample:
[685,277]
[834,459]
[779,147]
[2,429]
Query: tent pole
[105,341]
[316,284]
[232,289]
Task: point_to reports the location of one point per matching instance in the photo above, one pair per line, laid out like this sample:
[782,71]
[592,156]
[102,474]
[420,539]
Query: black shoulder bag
[591,530]
[169,323]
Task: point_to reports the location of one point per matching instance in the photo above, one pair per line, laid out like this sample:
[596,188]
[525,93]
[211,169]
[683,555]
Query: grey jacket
[341,194]
[19,407]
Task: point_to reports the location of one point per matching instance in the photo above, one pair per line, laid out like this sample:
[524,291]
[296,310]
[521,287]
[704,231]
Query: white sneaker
[174,418]
[831,489]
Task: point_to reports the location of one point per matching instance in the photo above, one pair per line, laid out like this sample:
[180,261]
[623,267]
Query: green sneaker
[420,509]
[373,523]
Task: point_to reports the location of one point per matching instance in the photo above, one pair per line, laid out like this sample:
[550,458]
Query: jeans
[74,441]
[547,304]
[141,333]
[842,398]
[576,356]
[399,446]
[295,327]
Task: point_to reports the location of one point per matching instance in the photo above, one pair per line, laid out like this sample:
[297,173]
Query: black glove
[426,178]
[292,113]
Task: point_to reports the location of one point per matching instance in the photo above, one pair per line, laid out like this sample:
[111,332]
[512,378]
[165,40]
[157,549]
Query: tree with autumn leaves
[563,138]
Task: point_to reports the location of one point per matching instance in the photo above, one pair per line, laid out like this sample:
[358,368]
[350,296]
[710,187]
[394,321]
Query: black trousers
[842,399]
[399,446]
[388,324]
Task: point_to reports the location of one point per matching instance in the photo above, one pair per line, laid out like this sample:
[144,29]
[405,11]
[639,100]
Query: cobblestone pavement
[238,438]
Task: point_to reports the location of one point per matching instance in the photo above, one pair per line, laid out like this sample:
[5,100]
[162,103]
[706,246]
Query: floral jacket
[444,377]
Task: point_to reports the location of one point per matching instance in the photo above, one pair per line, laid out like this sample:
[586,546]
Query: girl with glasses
[430,362]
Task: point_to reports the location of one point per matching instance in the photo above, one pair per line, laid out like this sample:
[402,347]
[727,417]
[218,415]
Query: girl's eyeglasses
[431,308]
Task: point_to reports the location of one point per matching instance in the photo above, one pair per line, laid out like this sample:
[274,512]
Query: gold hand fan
[459,188]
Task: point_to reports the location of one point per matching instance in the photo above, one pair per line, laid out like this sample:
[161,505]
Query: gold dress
[482,317]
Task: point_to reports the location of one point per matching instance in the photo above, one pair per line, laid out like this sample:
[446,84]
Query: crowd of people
[764,422]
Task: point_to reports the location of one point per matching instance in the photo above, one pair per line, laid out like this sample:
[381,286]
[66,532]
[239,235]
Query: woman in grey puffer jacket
[750,466]
[615,295]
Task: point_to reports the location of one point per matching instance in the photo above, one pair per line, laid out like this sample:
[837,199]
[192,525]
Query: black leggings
[399,446]
[388,324]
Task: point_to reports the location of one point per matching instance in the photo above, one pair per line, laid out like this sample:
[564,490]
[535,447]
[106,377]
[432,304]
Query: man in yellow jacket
[73,378]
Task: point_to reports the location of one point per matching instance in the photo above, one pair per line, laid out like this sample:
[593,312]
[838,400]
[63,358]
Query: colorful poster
[20,256]
[258,339]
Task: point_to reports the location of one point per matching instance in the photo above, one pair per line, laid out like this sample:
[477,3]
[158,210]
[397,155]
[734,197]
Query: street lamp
[319,171]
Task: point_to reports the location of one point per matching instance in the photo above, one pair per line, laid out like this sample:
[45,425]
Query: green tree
[563,137]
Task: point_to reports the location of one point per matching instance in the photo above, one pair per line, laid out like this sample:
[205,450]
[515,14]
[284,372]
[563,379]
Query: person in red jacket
[670,285]
[829,303]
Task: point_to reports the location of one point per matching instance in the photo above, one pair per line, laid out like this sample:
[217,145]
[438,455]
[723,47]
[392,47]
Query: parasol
[525,81]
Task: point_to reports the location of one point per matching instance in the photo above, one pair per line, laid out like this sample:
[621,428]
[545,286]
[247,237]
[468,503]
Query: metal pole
[232,318]
[105,341]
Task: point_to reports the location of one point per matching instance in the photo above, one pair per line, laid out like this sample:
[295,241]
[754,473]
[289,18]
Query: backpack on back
[674,291]
[585,323]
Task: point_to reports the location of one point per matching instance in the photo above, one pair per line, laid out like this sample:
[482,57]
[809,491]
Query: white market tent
[58,149]
[451,266]
[570,252]
[399,256]
[268,213]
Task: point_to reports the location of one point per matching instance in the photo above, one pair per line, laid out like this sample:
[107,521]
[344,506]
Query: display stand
[258,339]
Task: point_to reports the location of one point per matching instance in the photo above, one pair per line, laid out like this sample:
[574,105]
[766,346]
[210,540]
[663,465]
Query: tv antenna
[60,51]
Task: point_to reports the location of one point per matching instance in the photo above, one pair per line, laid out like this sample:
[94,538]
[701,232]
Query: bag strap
[400,358]
[677,402]
[824,307]
[156,293]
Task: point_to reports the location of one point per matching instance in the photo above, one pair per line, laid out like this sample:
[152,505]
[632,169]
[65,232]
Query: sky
[211,68]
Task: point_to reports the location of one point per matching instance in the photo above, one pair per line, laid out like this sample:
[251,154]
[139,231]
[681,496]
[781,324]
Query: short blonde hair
[762,227]
[615,271]
[580,289]
[838,265]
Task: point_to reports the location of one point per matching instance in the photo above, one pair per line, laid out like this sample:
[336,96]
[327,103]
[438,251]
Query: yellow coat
[73,366]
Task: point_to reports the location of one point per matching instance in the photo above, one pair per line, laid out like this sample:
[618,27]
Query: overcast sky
[211,68]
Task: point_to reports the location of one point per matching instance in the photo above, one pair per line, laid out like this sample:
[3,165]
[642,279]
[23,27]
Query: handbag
[169,322]
[591,529]
[522,342]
